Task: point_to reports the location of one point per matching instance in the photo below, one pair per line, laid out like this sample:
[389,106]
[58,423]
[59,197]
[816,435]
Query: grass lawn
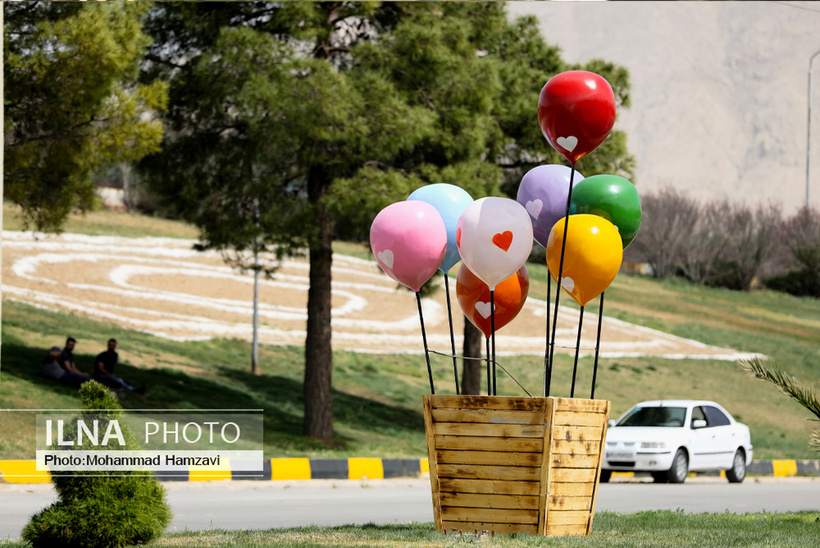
[610,530]
[377,398]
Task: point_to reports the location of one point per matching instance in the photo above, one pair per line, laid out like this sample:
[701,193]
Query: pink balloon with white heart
[409,241]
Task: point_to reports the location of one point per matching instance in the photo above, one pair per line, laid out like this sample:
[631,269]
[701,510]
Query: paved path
[276,504]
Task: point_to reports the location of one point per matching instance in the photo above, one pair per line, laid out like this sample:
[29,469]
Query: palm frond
[802,394]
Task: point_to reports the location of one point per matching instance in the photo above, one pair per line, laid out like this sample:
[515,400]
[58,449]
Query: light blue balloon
[450,201]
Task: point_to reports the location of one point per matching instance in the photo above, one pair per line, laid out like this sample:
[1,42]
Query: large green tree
[72,103]
[291,124]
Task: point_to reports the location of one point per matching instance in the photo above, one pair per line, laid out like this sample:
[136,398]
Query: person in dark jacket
[104,365]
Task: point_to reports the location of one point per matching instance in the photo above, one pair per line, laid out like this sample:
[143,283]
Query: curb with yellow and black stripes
[24,471]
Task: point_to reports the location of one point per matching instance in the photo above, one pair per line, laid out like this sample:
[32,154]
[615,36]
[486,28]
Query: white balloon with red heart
[494,238]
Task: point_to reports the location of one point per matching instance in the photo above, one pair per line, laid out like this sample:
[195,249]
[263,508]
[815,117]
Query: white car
[670,438]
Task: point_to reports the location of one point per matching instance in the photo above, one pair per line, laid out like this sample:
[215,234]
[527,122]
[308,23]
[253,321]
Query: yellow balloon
[592,259]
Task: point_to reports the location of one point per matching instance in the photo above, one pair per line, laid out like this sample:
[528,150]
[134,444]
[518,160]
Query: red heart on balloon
[576,112]
[503,240]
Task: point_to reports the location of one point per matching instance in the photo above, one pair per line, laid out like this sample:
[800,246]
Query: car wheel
[737,472]
[680,467]
[660,477]
[605,475]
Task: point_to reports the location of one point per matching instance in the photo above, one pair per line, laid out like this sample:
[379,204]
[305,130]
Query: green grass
[611,530]
[377,399]
[109,223]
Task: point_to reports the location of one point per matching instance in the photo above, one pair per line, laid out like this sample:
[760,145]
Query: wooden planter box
[514,464]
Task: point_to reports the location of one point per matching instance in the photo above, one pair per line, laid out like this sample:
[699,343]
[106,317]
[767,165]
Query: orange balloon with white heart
[505,303]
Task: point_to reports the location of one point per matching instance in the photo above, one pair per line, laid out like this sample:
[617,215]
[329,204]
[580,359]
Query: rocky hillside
[719,90]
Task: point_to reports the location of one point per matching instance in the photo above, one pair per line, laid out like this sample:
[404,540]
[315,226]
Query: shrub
[99,511]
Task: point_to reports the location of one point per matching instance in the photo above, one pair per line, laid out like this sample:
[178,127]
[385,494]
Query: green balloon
[613,198]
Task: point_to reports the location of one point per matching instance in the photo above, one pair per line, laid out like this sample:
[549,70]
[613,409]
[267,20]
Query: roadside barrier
[23,471]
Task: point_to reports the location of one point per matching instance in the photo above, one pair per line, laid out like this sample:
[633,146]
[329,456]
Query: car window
[715,417]
[698,415]
[669,417]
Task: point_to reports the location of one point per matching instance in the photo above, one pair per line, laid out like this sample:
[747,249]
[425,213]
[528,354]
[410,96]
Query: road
[269,504]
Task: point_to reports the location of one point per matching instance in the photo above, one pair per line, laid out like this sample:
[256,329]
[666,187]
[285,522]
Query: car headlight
[653,445]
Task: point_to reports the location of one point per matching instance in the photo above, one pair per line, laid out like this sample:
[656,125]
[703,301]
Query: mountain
[719,90]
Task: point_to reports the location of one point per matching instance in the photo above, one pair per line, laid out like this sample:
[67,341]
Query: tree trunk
[318,393]
[471,374]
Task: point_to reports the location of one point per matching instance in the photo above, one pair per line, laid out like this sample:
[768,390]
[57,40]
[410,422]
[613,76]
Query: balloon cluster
[440,224]
[583,223]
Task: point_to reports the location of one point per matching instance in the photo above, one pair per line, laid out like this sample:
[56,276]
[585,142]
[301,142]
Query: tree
[324,113]
[801,234]
[95,509]
[705,240]
[72,103]
[753,233]
[667,218]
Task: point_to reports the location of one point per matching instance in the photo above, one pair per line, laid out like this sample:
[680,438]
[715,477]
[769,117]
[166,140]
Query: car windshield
[669,417]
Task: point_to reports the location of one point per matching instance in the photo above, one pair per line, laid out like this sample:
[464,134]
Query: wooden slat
[489,457]
[468,443]
[598,469]
[487,402]
[577,405]
[501,528]
[572,489]
[578,419]
[574,475]
[577,433]
[489,430]
[563,447]
[568,517]
[474,471]
[574,461]
[546,467]
[493,416]
[493,515]
[431,459]
[474,500]
[566,530]
[569,503]
[489,486]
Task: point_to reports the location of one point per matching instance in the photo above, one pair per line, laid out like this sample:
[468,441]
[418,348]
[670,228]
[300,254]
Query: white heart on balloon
[568,284]
[567,143]
[534,208]
[386,258]
[484,309]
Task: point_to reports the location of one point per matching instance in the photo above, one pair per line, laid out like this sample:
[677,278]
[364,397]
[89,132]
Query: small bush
[99,511]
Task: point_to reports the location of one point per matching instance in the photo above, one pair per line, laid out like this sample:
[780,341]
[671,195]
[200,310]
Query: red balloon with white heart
[576,112]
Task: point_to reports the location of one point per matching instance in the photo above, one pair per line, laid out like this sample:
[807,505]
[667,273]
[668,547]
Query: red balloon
[576,112]
[474,298]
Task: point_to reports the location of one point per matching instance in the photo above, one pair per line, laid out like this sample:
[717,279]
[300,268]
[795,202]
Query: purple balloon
[543,192]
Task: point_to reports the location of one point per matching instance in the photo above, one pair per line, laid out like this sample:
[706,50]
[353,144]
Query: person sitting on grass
[53,370]
[67,358]
[104,365]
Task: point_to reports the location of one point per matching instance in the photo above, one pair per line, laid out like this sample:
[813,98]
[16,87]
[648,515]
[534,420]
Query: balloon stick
[492,330]
[452,336]
[597,346]
[577,349]
[560,275]
[489,386]
[424,338]
[547,365]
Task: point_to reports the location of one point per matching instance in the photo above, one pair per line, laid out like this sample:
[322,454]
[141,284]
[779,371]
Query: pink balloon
[409,241]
